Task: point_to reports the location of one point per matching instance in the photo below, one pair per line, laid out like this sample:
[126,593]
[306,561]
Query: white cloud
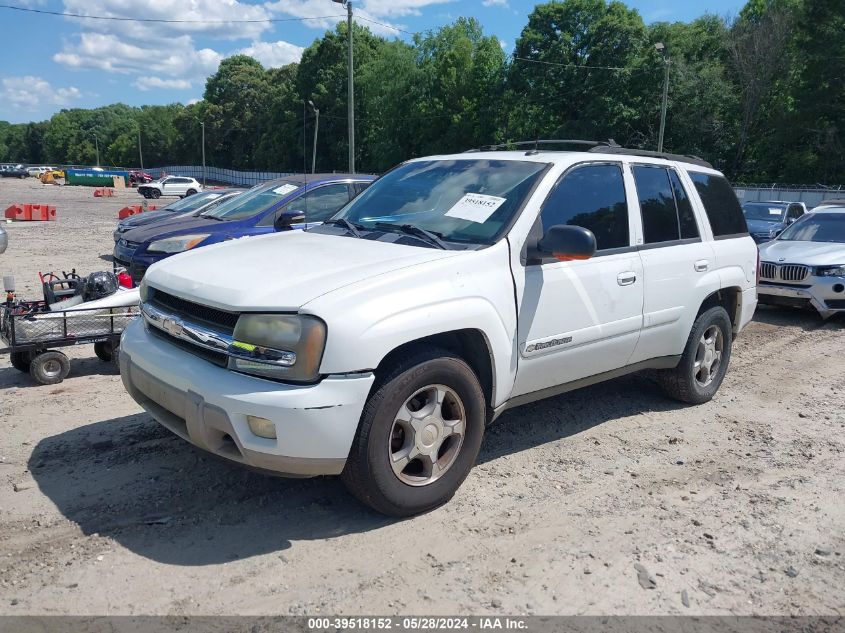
[193,101]
[273,54]
[177,59]
[495,3]
[379,10]
[29,92]
[213,13]
[152,82]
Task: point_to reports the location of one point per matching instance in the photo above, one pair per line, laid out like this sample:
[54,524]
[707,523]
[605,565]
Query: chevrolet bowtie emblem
[172,327]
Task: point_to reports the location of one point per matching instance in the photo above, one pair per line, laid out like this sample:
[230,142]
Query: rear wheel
[21,361]
[50,368]
[419,435]
[190,192]
[704,363]
[103,350]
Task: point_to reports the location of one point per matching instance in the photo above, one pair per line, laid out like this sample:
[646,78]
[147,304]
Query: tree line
[761,95]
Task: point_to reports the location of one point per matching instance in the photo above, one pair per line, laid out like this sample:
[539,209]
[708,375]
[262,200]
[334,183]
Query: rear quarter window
[720,204]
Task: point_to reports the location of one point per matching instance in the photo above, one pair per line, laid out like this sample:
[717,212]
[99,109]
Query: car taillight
[125,280]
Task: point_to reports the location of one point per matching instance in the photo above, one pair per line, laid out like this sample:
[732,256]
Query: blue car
[283,204]
[189,205]
[767,219]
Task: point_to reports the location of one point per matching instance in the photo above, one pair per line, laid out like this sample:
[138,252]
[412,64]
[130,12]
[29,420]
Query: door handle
[701,265]
[626,278]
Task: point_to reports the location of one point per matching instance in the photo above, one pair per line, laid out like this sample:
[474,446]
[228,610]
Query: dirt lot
[731,507]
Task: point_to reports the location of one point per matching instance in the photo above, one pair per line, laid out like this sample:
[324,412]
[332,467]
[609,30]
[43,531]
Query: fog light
[262,427]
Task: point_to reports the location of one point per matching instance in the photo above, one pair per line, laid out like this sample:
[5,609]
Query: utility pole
[97,145]
[662,49]
[316,128]
[202,123]
[350,100]
[140,154]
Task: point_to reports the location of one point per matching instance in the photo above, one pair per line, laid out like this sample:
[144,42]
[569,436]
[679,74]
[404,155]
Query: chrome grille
[768,270]
[794,272]
[784,272]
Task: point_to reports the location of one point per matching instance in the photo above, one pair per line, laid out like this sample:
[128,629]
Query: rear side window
[664,205]
[720,204]
[592,196]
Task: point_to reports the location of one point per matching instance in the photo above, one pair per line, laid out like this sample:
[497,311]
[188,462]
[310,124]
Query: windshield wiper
[353,228]
[432,237]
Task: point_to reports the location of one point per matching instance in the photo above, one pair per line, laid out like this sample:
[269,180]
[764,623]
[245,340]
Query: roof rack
[603,147]
[536,143]
[681,158]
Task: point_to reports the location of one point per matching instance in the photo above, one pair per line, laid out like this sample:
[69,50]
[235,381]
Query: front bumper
[135,263]
[208,406]
[825,294]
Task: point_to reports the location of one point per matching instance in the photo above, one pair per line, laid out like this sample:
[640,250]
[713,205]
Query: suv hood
[281,272]
[810,253]
[763,226]
[175,224]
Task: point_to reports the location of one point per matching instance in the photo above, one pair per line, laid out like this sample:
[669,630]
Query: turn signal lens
[262,427]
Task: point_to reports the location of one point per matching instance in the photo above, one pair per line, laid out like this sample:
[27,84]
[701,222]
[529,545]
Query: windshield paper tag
[475,207]
[285,189]
[775,211]
[213,196]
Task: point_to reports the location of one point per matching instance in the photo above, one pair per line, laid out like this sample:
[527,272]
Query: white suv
[170,186]
[379,345]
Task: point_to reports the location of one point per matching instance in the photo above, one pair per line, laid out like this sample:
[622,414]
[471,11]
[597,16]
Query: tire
[103,351]
[411,386]
[50,368]
[21,361]
[155,193]
[190,192]
[687,382]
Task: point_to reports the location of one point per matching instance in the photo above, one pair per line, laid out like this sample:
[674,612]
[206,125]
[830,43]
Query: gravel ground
[609,500]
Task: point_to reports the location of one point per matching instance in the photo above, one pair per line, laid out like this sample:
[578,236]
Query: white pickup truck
[380,345]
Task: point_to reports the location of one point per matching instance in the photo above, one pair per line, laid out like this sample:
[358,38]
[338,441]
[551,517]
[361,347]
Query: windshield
[458,200]
[194,202]
[766,211]
[816,227]
[254,201]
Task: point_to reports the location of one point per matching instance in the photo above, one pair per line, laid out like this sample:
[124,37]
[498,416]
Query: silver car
[805,265]
[4,240]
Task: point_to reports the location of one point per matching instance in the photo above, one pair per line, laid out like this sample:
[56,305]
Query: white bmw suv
[379,345]
[170,186]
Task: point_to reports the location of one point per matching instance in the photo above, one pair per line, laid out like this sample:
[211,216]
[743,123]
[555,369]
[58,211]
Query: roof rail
[536,143]
[681,158]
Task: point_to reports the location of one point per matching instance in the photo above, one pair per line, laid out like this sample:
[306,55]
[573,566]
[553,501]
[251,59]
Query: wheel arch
[730,299]
[470,344]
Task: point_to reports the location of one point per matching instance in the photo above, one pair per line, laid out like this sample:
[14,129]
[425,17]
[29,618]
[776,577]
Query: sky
[63,62]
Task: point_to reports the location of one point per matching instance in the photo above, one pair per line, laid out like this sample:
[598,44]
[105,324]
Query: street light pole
[316,128]
[97,145]
[350,100]
[140,154]
[202,123]
[662,49]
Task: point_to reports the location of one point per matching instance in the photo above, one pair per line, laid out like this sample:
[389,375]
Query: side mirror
[566,243]
[288,218]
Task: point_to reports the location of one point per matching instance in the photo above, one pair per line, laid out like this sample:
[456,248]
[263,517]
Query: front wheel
[704,362]
[419,435]
[50,368]
[155,193]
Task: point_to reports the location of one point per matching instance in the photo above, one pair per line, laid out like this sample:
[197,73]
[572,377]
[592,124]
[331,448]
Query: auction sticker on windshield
[285,189]
[475,207]
[774,211]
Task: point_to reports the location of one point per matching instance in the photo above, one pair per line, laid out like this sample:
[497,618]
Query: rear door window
[593,197]
[720,204]
[664,205]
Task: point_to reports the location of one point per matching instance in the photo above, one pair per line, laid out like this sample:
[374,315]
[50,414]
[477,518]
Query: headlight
[278,346]
[144,291]
[177,244]
[830,271]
